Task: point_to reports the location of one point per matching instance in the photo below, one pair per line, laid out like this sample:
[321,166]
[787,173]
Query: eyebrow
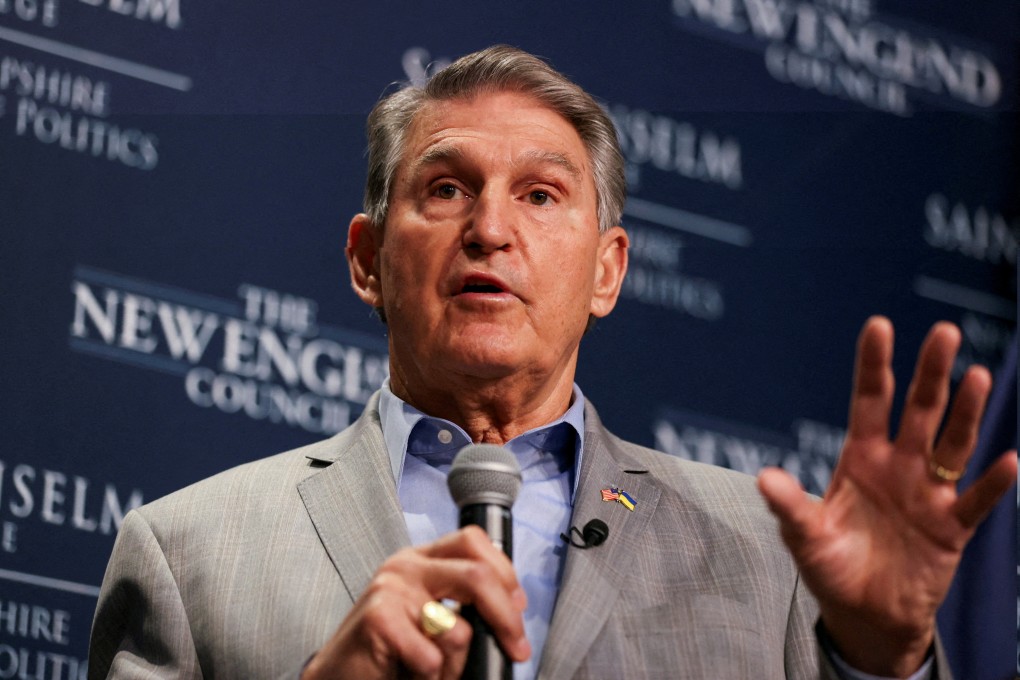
[435,154]
[553,158]
[450,152]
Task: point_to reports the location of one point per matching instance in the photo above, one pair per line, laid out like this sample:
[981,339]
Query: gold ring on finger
[437,618]
[944,474]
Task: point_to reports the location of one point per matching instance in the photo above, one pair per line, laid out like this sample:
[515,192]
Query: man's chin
[485,354]
[487,365]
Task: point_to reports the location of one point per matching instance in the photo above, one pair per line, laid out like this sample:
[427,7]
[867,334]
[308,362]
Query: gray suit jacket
[246,574]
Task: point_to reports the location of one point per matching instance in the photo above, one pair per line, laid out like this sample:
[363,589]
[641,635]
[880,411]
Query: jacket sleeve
[803,656]
[141,629]
[830,668]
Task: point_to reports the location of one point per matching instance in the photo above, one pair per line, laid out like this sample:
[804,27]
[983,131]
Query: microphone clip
[594,534]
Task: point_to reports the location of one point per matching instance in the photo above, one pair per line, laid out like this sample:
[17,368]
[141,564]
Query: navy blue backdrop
[176,180]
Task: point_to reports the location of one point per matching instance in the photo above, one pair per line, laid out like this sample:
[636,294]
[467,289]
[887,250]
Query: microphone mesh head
[484,473]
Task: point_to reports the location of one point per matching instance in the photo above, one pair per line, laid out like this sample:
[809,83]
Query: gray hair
[497,69]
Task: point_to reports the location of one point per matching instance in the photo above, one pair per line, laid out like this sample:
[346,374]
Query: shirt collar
[399,420]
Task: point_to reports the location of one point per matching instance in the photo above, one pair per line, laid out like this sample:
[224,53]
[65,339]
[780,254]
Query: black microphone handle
[486,661]
[494,520]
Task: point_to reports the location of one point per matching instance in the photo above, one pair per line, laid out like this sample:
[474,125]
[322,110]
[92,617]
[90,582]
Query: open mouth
[483,285]
[481,288]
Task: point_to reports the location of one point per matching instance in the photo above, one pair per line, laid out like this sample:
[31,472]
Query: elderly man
[489,245]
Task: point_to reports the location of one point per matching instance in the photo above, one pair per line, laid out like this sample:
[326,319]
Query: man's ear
[610,270]
[362,257]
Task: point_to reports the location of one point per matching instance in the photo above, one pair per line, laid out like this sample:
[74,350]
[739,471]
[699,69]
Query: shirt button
[445,436]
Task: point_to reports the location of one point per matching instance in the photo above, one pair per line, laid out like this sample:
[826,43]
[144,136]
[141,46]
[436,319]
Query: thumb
[788,501]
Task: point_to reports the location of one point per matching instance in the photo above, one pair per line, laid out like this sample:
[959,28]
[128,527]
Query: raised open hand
[880,550]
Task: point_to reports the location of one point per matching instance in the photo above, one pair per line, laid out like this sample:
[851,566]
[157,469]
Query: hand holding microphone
[385,632]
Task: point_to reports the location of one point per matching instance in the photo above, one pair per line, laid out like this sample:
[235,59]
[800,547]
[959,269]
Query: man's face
[490,260]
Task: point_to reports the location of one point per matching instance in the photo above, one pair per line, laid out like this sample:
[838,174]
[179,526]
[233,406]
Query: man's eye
[449,191]
[538,197]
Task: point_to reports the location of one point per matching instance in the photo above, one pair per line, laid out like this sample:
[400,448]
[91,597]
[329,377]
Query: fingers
[466,567]
[472,543]
[979,499]
[874,385]
[453,645]
[381,635]
[388,628]
[929,390]
[383,632]
[960,435]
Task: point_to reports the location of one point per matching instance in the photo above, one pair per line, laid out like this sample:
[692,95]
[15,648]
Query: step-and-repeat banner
[176,178]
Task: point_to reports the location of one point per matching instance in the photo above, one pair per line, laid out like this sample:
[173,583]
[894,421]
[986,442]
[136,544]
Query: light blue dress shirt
[421,450]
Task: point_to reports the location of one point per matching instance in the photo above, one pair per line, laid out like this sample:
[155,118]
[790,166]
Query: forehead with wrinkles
[443,153]
[433,115]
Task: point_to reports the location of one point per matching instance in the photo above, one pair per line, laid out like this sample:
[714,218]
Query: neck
[491,410]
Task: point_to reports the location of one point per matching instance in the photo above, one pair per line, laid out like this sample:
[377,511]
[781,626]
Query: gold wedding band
[437,618]
[944,474]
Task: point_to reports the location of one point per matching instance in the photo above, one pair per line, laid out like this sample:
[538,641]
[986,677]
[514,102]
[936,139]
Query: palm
[872,522]
[879,551]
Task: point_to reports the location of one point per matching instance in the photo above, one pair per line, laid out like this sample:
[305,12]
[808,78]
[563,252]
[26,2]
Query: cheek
[569,288]
[410,281]
[395,273]
[576,275]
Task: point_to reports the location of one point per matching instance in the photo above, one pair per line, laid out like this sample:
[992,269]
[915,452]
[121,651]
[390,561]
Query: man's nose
[491,222]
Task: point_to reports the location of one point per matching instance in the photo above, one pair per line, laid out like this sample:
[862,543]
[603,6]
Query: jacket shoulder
[264,485]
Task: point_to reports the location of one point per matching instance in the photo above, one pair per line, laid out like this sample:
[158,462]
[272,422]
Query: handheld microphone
[484,481]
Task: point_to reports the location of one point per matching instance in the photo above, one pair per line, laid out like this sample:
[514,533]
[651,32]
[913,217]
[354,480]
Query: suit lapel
[592,578]
[353,503]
